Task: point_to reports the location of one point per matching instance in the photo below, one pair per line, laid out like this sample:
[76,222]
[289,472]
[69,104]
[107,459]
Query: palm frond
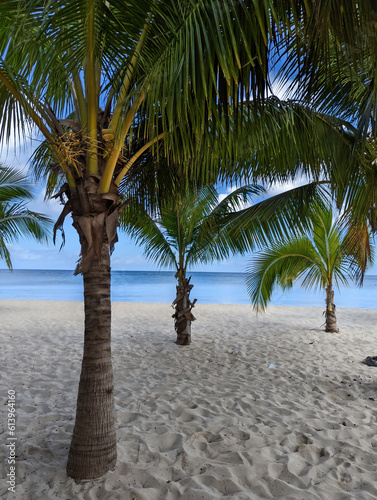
[13,185]
[214,238]
[282,264]
[357,244]
[4,253]
[322,256]
[136,222]
[277,217]
[15,219]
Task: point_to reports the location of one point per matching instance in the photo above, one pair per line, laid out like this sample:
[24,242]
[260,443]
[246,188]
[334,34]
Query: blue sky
[29,254]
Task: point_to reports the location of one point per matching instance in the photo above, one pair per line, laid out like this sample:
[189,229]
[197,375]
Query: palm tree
[190,227]
[96,78]
[335,63]
[15,219]
[326,255]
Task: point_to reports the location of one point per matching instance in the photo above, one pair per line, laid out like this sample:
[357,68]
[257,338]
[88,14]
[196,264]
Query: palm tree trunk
[331,325]
[93,448]
[183,315]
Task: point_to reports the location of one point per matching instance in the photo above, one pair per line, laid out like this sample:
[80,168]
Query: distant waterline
[159,286]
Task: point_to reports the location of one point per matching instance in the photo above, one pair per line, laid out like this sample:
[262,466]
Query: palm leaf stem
[37,119]
[79,97]
[135,157]
[131,68]
[119,144]
[91,91]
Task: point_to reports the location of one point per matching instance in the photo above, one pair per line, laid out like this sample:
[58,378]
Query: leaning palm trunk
[183,315]
[331,325]
[93,447]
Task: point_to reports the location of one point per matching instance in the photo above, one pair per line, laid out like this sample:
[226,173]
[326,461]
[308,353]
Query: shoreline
[160,287]
[198,304]
[266,406]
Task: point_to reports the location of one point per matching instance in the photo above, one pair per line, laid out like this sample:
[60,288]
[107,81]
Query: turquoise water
[159,286]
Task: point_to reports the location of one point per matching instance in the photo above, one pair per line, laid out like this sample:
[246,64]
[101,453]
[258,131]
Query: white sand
[208,421]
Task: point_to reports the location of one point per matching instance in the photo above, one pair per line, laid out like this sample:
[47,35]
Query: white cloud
[229,190]
[17,152]
[51,208]
[280,187]
[124,261]
[282,89]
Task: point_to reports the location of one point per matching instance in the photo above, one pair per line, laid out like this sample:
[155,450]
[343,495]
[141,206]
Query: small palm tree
[15,219]
[189,228]
[325,255]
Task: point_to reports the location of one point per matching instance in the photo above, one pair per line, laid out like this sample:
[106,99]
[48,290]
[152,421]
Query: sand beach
[264,406]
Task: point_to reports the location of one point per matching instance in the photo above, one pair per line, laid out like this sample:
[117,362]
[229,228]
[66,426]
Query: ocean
[159,286]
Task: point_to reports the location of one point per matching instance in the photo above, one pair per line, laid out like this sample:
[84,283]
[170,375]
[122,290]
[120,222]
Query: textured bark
[183,315]
[95,217]
[93,447]
[331,324]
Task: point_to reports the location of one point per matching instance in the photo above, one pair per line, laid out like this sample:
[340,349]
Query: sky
[29,254]
[127,256]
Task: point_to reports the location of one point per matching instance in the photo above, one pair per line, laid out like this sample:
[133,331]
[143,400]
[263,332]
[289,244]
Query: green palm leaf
[321,256]
[15,219]
[147,232]
[281,265]
[13,185]
[214,239]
